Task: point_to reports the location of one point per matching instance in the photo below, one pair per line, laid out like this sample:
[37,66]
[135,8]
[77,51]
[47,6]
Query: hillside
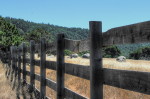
[25,27]
[34,31]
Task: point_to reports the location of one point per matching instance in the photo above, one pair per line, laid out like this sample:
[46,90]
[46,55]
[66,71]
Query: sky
[78,13]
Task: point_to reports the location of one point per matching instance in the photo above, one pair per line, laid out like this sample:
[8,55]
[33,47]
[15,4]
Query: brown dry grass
[82,86]
[6,91]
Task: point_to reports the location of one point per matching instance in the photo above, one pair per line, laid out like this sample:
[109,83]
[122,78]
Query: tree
[141,53]
[8,35]
[36,34]
[111,52]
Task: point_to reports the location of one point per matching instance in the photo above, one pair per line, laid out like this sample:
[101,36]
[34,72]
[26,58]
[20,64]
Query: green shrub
[108,52]
[111,52]
[82,53]
[127,49]
[48,52]
[141,53]
[68,52]
[53,52]
[9,34]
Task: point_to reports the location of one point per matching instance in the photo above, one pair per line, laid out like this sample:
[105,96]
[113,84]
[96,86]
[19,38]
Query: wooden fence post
[32,68]
[15,56]
[19,67]
[24,62]
[8,64]
[96,74]
[60,66]
[42,68]
[11,66]
[13,63]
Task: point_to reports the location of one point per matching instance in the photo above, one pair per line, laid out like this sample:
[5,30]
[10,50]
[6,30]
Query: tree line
[13,31]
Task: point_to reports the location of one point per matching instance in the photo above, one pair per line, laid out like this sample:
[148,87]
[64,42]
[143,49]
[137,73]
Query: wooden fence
[98,76]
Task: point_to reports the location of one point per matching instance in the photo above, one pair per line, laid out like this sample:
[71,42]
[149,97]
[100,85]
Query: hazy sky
[78,13]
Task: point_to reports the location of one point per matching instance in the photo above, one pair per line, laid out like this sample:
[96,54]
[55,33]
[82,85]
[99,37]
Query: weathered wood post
[12,63]
[15,56]
[42,68]
[15,66]
[60,66]
[24,62]
[9,64]
[96,74]
[19,66]
[32,68]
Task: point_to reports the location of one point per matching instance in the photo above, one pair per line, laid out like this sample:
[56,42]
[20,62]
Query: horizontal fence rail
[98,76]
[130,80]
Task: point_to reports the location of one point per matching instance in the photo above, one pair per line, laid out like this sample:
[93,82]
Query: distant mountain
[27,27]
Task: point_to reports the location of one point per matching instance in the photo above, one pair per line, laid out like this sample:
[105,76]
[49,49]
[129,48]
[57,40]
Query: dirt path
[6,91]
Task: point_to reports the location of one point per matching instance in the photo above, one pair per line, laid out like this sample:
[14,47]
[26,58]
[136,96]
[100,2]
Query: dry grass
[6,91]
[82,86]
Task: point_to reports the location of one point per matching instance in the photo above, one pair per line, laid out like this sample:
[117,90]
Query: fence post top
[92,22]
[11,48]
[60,36]
[23,45]
[95,28]
[43,38]
[19,50]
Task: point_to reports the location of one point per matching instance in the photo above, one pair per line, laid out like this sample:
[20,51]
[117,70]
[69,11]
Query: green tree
[141,53]
[36,34]
[111,52]
[68,52]
[8,34]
